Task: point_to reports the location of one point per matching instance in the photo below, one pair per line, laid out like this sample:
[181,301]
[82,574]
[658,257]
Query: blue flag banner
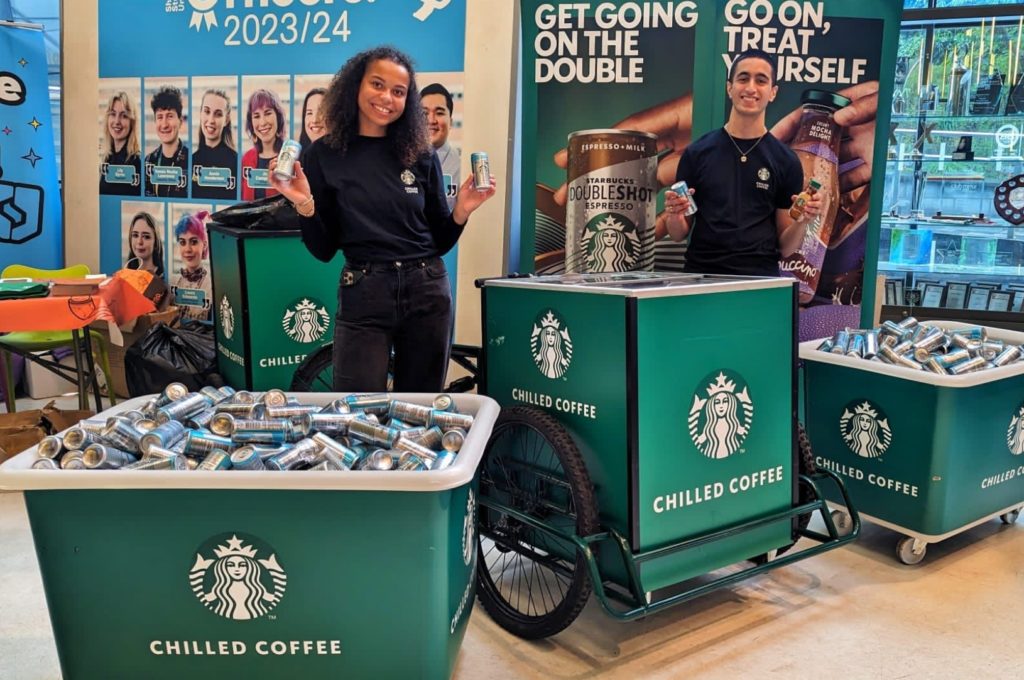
[30,213]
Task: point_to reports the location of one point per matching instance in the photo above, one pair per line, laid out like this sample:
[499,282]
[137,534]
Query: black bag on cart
[273,212]
[164,355]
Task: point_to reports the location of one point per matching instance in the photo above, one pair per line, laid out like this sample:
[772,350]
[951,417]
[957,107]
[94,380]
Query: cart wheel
[1010,517]
[842,521]
[316,372]
[532,584]
[804,493]
[905,551]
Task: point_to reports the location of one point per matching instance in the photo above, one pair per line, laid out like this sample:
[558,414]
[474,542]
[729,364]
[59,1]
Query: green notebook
[11,290]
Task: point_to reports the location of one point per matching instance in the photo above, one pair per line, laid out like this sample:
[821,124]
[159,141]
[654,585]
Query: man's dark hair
[167,97]
[753,54]
[438,88]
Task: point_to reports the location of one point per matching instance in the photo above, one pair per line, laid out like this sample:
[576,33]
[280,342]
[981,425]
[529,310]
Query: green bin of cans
[924,423]
[212,571]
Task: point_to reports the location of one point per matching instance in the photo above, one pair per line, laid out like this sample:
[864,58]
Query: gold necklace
[743,154]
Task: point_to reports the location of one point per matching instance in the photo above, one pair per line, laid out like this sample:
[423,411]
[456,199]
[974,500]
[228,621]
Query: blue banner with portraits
[197,96]
[30,213]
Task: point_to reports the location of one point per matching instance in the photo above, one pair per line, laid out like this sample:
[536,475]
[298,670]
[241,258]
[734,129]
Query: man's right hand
[673,220]
[295,190]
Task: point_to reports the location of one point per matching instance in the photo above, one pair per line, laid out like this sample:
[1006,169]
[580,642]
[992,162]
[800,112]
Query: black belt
[391,265]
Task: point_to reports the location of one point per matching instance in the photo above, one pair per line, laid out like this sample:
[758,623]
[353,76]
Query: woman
[144,248]
[265,125]
[193,290]
[372,187]
[216,149]
[312,118]
[121,148]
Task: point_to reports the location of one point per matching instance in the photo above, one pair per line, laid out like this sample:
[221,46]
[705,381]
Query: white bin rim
[810,352]
[17,473]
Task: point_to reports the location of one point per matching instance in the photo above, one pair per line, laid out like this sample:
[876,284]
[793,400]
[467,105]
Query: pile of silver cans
[221,429]
[919,346]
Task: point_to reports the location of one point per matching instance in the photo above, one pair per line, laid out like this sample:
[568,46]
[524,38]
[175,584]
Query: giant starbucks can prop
[610,208]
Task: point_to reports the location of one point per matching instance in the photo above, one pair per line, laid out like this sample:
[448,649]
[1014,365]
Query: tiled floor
[851,613]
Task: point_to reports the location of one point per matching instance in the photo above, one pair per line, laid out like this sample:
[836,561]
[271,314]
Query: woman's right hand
[295,190]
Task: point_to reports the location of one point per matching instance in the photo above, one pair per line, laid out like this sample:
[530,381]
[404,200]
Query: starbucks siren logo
[305,322]
[611,243]
[237,578]
[720,423]
[1015,433]
[551,346]
[865,429]
[469,529]
[227,318]
[763,174]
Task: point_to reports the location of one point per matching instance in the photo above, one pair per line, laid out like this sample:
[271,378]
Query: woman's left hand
[470,198]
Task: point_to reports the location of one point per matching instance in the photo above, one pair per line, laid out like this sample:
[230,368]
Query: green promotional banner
[661,67]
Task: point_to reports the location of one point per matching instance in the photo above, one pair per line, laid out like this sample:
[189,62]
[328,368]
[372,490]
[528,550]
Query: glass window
[973,3]
[915,4]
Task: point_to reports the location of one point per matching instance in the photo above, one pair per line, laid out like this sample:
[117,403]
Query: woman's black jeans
[402,305]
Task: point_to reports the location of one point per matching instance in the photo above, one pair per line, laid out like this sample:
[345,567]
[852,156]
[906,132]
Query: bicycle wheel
[316,372]
[532,584]
[805,494]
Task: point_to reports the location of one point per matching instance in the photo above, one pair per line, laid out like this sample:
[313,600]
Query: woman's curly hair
[340,107]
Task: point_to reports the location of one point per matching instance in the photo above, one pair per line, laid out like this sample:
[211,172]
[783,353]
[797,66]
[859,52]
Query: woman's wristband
[305,208]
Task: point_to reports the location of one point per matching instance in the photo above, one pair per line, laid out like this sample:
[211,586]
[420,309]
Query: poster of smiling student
[199,125]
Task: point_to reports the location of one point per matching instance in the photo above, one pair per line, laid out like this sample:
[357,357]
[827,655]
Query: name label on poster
[715,490]
[166,176]
[239,648]
[120,174]
[606,51]
[560,404]
[258,178]
[872,478]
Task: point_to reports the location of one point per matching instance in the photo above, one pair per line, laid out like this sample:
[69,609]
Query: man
[438,107]
[172,151]
[743,180]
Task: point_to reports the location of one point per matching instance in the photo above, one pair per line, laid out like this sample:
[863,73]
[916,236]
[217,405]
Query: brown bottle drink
[817,146]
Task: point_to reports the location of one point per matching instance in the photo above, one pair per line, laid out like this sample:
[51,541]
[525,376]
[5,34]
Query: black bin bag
[164,355]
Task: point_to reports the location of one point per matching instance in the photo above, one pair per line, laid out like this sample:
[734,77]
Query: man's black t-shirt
[734,230]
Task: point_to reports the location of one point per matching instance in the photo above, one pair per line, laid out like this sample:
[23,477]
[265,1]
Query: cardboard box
[131,333]
[42,383]
[20,431]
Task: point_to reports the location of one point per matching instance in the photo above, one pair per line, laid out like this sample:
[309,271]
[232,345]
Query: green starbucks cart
[273,303]
[648,436]
[926,455]
[347,574]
